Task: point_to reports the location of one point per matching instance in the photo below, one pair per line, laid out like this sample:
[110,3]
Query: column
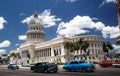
[52,51]
[62,50]
[32,54]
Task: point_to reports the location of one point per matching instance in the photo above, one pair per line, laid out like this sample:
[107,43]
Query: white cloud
[111,32]
[71,0]
[47,19]
[17,48]
[79,24]
[17,44]
[2,21]
[94,18]
[5,43]
[21,14]
[106,1]
[22,37]
[116,48]
[2,51]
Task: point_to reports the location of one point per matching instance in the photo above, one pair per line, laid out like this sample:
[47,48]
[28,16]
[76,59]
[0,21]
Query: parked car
[44,67]
[108,63]
[79,65]
[25,65]
[13,66]
[116,65]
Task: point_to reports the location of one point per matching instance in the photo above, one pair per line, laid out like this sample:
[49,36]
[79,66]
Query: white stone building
[36,49]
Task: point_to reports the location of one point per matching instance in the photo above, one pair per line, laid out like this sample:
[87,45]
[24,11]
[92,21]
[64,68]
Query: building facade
[36,49]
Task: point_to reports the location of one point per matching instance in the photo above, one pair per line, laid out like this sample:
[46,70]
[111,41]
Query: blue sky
[60,18]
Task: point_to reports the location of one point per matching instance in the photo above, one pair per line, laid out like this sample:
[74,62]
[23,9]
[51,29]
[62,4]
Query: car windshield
[82,62]
[12,65]
[41,63]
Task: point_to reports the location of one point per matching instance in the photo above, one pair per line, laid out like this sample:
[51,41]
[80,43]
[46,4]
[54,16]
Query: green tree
[18,55]
[13,55]
[82,44]
[107,47]
[4,55]
[69,46]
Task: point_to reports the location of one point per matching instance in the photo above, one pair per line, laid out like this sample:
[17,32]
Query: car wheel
[84,70]
[35,71]
[91,70]
[47,71]
[69,70]
[55,71]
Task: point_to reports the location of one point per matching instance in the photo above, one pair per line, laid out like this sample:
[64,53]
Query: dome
[35,20]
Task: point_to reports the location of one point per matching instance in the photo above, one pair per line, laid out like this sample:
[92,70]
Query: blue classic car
[79,65]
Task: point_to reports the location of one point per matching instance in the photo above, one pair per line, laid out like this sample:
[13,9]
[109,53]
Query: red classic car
[108,63]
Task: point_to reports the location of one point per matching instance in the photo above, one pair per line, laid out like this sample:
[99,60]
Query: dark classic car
[79,65]
[12,66]
[44,67]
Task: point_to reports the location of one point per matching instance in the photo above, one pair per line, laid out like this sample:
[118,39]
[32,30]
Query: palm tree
[18,55]
[82,44]
[69,46]
[13,55]
[107,47]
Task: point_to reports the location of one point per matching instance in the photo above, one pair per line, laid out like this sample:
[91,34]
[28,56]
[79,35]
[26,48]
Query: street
[26,72]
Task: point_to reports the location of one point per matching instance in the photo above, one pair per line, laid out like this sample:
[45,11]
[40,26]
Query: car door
[81,65]
[74,65]
[38,67]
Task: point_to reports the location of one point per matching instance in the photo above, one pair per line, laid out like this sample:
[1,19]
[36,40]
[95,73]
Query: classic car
[79,65]
[25,65]
[116,65]
[12,66]
[44,67]
[108,63]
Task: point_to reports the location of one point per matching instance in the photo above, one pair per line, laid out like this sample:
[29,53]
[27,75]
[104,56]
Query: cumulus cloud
[106,1]
[82,24]
[116,48]
[2,51]
[110,31]
[21,14]
[17,44]
[94,18]
[22,37]
[47,19]
[71,0]
[2,21]
[5,43]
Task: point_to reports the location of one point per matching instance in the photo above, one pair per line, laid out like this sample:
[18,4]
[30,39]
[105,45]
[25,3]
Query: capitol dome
[35,31]
[35,21]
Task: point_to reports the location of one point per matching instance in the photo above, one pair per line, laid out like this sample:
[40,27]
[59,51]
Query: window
[81,62]
[38,64]
[71,62]
[92,51]
[91,45]
[75,62]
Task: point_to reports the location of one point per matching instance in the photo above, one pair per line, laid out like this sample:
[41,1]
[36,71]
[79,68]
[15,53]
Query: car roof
[12,64]
[41,62]
[76,60]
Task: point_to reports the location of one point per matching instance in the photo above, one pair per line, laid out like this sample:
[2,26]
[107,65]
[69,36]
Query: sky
[60,18]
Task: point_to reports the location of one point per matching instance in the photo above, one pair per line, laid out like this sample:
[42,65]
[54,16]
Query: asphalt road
[26,72]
